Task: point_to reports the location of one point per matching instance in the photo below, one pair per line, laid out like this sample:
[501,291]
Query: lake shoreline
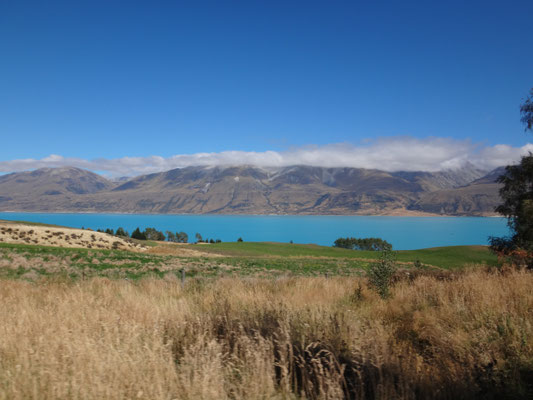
[392,213]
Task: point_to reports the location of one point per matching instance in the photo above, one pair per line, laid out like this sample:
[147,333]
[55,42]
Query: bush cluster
[373,244]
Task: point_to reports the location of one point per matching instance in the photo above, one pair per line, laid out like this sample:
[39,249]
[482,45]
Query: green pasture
[443,257]
[22,261]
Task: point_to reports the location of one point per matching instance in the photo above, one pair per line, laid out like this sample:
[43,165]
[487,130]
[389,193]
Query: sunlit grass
[249,338]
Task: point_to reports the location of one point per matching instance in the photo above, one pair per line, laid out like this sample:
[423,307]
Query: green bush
[380,273]
[137,234]
[372,244]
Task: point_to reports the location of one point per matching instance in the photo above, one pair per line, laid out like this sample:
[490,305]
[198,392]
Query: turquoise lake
[404,233]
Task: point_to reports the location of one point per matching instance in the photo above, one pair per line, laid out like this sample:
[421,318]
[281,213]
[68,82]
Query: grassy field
[289,338]
[443,257]
[235,259]
[261,321]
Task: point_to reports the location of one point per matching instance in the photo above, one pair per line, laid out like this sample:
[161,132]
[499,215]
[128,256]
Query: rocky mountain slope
[253,190]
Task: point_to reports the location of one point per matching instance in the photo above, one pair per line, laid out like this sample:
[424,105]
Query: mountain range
[253,190]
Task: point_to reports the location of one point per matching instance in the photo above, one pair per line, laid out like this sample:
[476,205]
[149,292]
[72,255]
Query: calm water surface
[403,232]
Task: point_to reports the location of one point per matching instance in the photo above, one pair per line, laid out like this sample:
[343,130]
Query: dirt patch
[171,249]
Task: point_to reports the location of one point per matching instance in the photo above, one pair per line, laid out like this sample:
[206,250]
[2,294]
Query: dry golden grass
[23,233]
[468,337]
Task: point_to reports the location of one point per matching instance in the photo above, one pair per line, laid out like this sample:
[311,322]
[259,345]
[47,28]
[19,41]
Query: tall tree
[517,196]
[137,234]
[121,232]
[182,237]
[171,236]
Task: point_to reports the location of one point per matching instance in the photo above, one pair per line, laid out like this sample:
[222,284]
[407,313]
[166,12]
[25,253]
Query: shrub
[372,244]
[380,273]
[121,232]
[137,234]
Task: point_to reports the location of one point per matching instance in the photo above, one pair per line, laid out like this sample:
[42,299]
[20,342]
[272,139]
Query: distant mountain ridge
[253,190]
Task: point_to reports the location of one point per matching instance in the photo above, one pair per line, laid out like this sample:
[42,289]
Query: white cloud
[401,153]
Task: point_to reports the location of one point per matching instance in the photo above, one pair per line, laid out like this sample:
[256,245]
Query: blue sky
[90,79]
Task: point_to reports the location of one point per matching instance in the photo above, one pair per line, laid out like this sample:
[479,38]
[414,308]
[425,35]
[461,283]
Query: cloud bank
[389,154]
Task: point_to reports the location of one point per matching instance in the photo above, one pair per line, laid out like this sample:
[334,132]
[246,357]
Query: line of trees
[178,237]
[200,239]
[372,244]
[120,232]
[154,234]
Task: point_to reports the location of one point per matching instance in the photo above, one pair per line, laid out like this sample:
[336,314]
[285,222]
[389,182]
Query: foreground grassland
[470,336]
[261,321]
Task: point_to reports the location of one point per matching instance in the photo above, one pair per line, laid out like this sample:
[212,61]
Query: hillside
[481,194]
[48,235]
[253,190]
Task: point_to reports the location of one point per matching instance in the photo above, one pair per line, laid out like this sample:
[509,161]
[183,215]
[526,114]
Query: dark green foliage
[517,207]
[380,273]
[517,196]
[372,244]
[109,231]
[526,110]
[199,238]
[211,241]
[121,232]
[137,234]
[239,239]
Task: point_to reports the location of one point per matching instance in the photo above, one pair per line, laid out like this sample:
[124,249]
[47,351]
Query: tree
[199,238]
[171,236]
[137,234]
[121,232]
[517,206]
[182,237]
[154,234]
[526,110]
